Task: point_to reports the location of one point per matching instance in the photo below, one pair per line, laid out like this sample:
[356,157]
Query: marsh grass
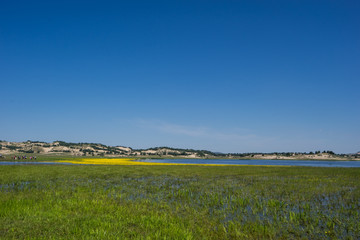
[178,202]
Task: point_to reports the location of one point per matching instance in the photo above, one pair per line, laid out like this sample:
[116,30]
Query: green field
[178,202]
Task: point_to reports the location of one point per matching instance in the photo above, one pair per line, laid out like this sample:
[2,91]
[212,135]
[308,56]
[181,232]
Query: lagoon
[308,163]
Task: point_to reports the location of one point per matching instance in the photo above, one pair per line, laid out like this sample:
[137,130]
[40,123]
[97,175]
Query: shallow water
[309,205]
[308,163]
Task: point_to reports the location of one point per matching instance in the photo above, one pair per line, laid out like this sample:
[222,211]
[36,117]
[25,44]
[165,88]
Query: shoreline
[42,158]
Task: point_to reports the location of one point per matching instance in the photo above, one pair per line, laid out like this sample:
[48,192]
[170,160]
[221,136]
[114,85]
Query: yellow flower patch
[124,161]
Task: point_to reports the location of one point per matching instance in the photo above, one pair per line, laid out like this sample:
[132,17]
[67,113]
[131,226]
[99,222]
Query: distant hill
[101,150]
[93,149]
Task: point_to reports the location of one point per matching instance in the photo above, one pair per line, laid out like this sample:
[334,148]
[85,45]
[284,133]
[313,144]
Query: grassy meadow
[178,202]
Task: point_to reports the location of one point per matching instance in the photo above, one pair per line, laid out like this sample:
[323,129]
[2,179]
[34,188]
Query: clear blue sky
[228,76]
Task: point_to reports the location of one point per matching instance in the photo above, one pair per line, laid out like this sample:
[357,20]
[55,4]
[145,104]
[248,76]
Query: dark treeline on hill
[98,149]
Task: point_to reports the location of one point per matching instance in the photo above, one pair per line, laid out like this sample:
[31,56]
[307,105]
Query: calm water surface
[309,163]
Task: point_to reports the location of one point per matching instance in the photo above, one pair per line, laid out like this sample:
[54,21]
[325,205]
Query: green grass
[178,202]
[39,157]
